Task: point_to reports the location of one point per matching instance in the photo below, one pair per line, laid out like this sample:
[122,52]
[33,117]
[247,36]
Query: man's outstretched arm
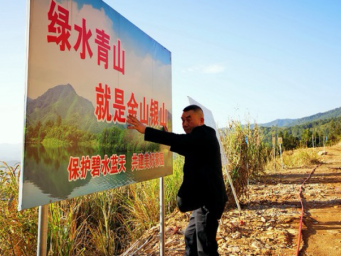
[179,143]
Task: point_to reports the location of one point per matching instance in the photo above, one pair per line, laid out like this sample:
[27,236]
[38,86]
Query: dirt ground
[269,221]
[322,232]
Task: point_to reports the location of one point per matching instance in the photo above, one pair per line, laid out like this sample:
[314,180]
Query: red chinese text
[59,26]
[148,160]
[59,32]
[152,114]
[78,168]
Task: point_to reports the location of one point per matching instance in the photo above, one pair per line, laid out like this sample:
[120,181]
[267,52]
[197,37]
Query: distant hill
[279,123]
[63,101]
[292,122]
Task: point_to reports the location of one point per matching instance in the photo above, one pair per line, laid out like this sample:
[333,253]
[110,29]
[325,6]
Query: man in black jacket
[202,190]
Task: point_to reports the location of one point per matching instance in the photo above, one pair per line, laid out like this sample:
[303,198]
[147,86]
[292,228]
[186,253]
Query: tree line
[314,133]
[55,132]
[116,138]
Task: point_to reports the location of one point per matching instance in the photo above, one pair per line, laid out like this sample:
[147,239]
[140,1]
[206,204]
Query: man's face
[190,120]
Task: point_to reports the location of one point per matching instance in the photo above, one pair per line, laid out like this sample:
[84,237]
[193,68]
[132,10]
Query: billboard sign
[88,68]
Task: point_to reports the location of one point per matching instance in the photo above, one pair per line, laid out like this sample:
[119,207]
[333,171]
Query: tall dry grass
[18,230]
[101,223]
[142,204]
[246,153]
[297,158]
[65,233]
[106,223]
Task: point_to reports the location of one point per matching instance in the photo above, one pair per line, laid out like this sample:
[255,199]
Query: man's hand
[135,124]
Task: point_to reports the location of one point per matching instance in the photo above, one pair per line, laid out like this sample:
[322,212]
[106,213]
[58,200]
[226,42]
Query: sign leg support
[42,230]
[233,190]
[162,217]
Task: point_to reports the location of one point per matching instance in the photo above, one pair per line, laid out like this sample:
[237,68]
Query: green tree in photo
[306,137]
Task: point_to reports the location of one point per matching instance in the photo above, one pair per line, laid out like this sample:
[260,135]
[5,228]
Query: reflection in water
[46,173]
[46,167]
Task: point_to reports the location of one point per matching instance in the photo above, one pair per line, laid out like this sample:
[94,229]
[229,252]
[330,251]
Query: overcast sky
[260,60]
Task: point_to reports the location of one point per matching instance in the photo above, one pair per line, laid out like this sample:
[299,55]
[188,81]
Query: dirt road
[322,233]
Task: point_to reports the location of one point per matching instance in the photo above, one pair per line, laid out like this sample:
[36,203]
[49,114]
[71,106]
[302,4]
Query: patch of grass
[142,204]
[246,153]
[102,223]
[300,157]
[18,230]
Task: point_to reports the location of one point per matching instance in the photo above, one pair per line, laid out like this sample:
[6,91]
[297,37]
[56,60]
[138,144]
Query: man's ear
[202,120]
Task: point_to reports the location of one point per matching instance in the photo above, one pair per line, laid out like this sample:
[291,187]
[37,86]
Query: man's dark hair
[195,108]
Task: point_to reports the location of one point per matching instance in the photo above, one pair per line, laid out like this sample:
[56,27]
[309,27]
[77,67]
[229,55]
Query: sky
[244,60]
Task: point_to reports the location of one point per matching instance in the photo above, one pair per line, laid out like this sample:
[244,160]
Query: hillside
[292,122]
[63,101]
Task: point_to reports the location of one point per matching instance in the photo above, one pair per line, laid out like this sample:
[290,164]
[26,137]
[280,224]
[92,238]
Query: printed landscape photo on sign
[88,68]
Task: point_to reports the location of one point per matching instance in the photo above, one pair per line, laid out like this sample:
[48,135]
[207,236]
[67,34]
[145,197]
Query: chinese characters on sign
[60,31]
[148,114]
[79,168]
[146,161]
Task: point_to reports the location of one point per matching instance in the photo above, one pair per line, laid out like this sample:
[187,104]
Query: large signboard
[88,68]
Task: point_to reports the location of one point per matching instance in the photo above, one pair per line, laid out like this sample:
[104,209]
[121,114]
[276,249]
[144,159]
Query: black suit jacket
[203,183]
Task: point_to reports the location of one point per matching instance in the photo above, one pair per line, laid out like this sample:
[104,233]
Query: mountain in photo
[292,122]
[63,101]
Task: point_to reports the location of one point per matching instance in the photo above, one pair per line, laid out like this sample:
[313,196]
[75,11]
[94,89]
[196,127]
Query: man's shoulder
[204,129]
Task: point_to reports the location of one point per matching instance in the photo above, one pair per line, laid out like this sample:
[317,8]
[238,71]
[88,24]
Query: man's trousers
[200,234]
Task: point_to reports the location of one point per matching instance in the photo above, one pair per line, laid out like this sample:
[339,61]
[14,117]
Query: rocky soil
[269,221]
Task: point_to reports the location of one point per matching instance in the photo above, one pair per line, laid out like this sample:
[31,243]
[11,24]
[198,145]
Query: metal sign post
[232,187]
[280,141]
[312,141]
[247,164]
[324,147]
[280,153]
[274,151]
[42,230]
[162,217]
